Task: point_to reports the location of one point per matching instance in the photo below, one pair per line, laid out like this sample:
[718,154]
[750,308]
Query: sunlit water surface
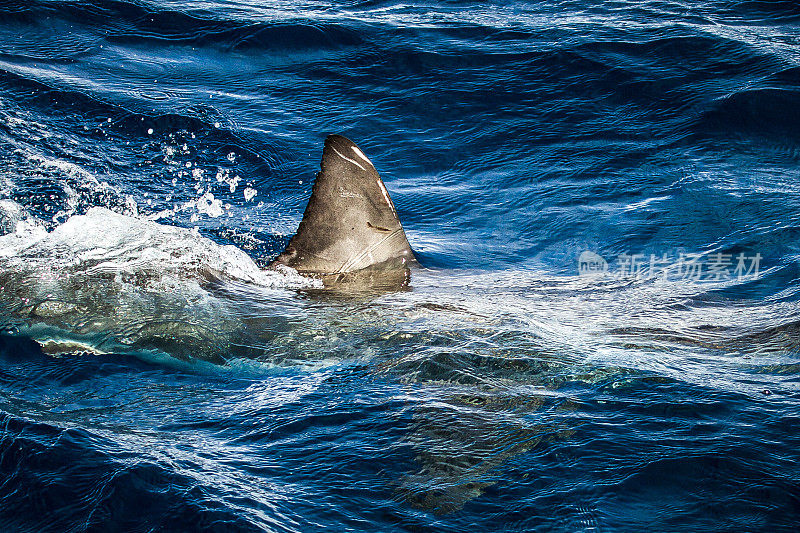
[155,155]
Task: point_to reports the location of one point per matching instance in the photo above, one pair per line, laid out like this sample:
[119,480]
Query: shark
[109,282]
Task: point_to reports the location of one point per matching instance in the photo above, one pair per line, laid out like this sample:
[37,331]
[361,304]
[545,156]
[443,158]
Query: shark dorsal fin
[350,223]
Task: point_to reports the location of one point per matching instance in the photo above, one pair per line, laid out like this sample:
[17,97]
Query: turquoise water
[517,385]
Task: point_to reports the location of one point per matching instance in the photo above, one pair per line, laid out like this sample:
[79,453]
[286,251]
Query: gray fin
[350,223]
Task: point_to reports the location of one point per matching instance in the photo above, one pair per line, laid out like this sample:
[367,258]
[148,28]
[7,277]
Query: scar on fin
[379,228]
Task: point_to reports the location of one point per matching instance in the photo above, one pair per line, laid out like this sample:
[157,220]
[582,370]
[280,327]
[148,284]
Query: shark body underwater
[106,283]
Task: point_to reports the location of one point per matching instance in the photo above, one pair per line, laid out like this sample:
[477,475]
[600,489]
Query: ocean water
[605,198]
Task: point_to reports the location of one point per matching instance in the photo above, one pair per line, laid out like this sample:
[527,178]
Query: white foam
[11,213]
[224,176]
[102,240]
[208,205]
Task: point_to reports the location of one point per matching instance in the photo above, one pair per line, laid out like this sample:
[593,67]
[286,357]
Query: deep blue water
[503,391]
